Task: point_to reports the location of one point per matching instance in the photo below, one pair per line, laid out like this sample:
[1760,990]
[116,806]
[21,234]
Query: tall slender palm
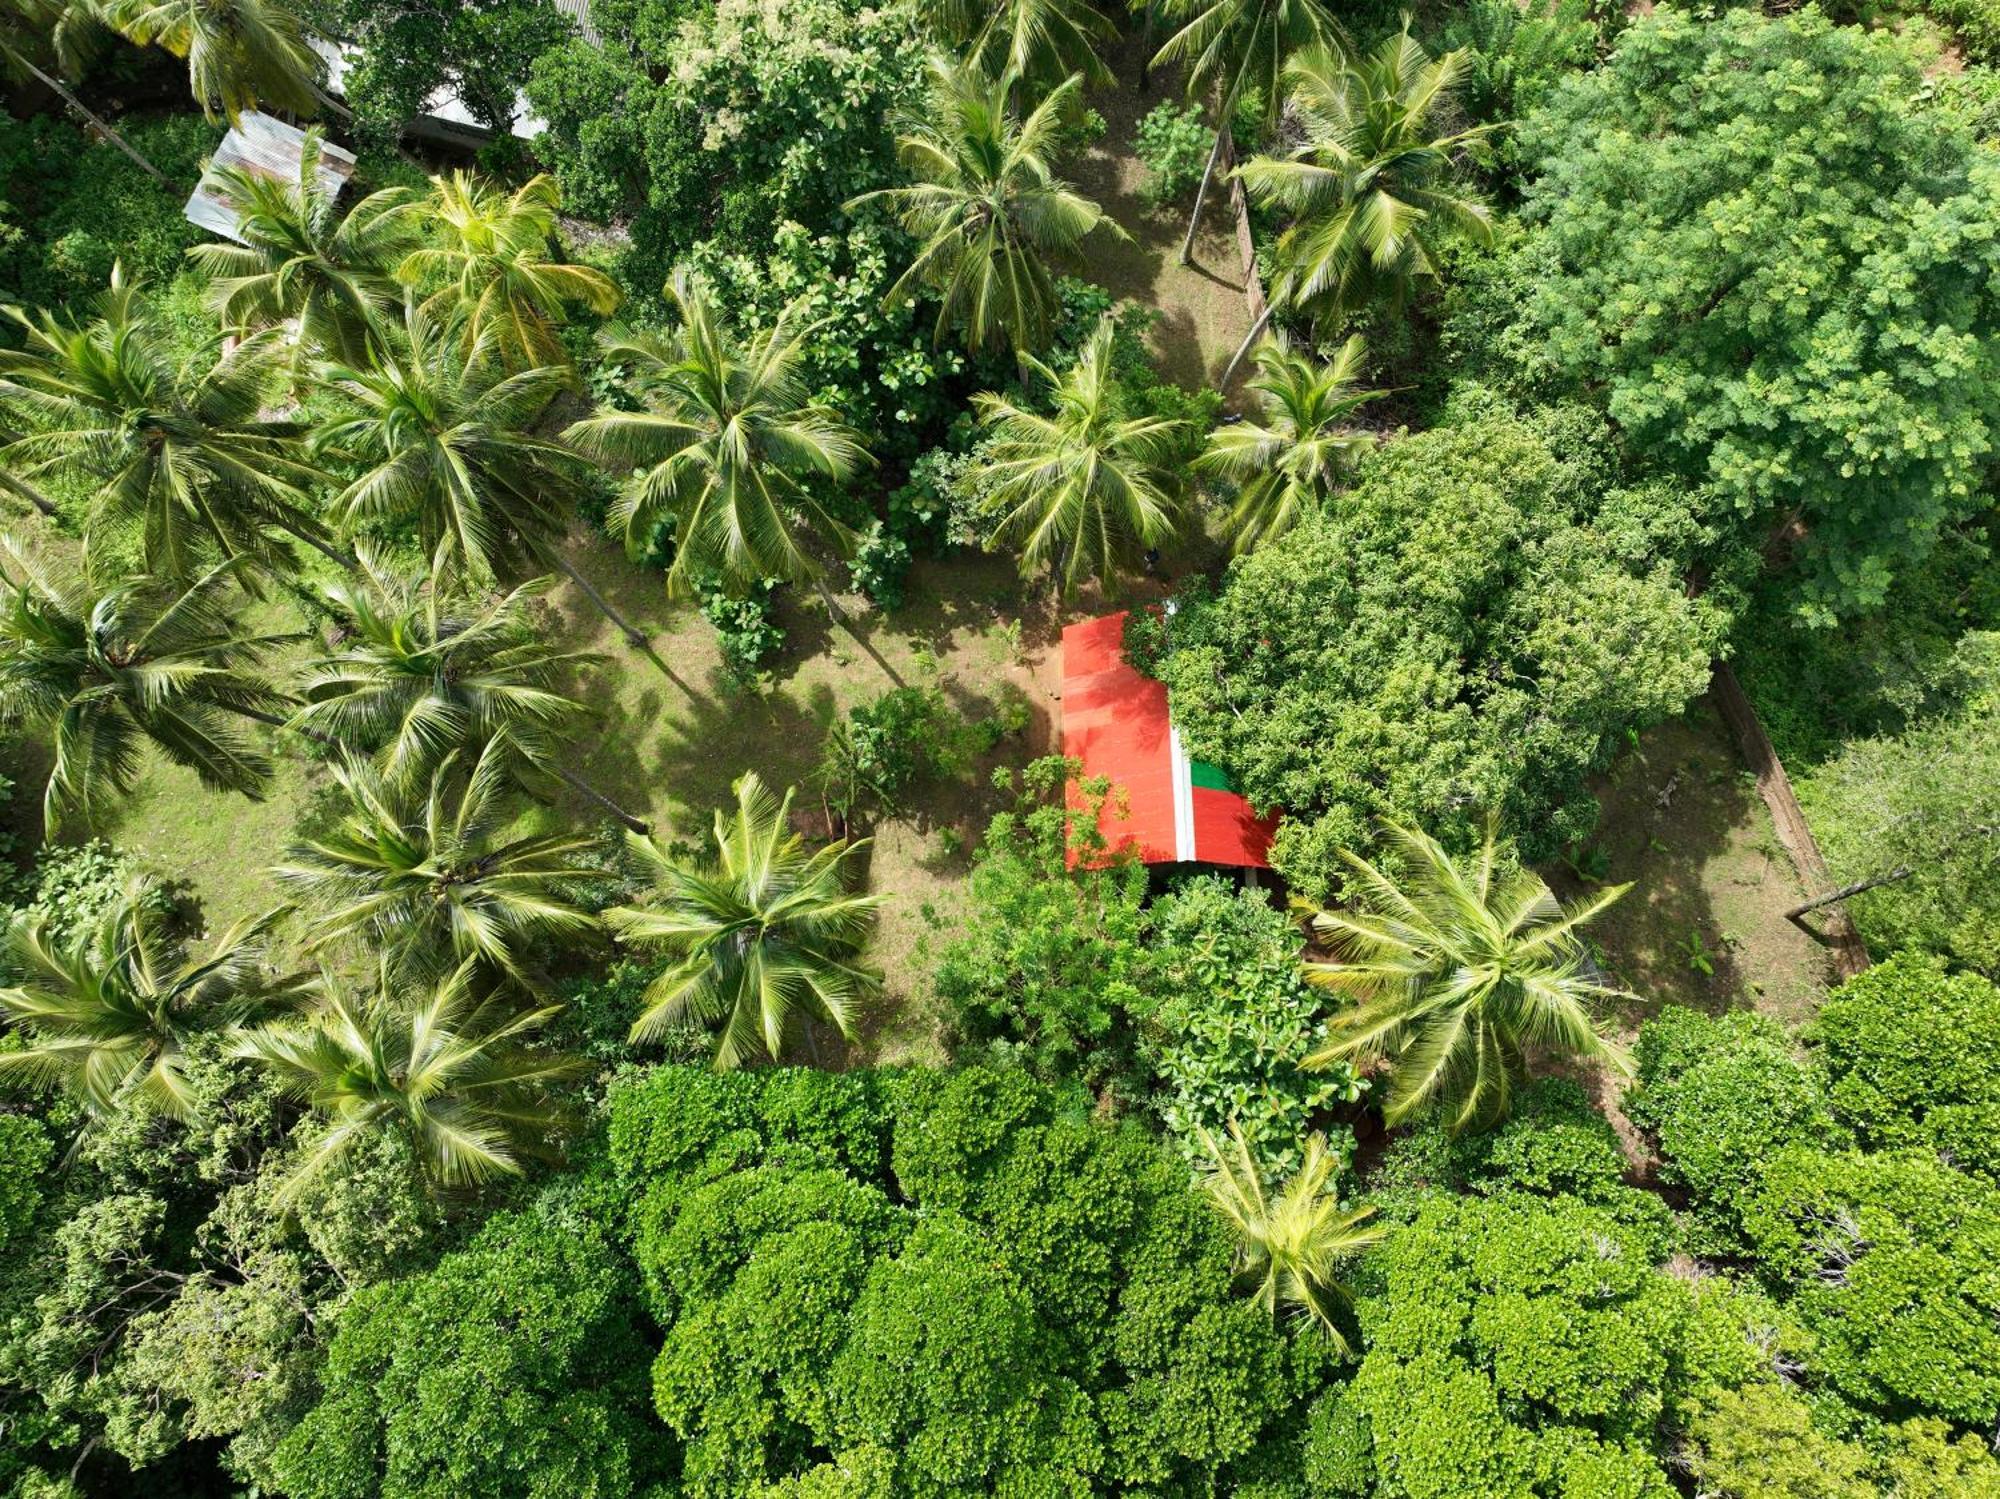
[988,209]
[1458,969]
[433,880]
[1085,488]
[188,459]
[1045,41]
[107,1014]
[445,1063]
[38,32]
[759,937]
[420,676]
[1370,190]
[449,449]
[241,54]
[303,259]
[728,447]
[1288,1247]
[1286,464]
[116,668]
[492,268]
[1230,47]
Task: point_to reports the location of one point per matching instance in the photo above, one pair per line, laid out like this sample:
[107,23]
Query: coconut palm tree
[433,880]
[1370,190]
[419,676]
[188,459]
[491,268]
[728,447]
[304,260]
[107,1014]
[241,54]
[1286,464]
[1289,1247]
[1085,488]
[1045,41]
[448,449]
[56,32]
[445,1063]
[987,209]
[1234,47]
[1458,969]
[762,936]
[117,668]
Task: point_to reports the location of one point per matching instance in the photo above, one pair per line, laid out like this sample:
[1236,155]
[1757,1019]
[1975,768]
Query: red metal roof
[1115,721]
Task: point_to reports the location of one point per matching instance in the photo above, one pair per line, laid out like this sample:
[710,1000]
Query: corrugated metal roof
[1164,807]
[270,148]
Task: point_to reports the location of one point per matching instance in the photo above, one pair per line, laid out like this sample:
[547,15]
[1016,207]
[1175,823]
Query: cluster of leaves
[1226,1022]
[1173,142]
[1879,1255]
[1477,625]
[889,743]
[939,1280]
[1706,206]
[746,627]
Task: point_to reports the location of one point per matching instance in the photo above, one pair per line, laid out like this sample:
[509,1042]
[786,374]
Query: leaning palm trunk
[77,106]
[1249,341]
[634,636]
[1208,172]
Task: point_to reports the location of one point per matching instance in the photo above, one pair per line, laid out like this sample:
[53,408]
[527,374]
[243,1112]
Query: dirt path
[1203,315]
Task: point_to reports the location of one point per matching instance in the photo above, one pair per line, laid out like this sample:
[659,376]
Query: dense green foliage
[1608,345]
[1777,270]
[1476,626]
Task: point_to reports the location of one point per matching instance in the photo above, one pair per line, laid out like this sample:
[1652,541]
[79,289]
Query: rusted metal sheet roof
[270,148]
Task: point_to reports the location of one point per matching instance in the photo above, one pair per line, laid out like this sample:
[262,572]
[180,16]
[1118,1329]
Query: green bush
[1455,635]
[745,630]
[1889,1261]
[1722,1096]
[1046,961]
[1173,143]
[1226,1020]
[90,206]
[1911,1058]
[1011,1294]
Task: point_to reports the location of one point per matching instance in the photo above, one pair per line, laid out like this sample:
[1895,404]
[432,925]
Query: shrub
[1173,143]
[1889,1262]
[1046,968]
[879,566]
[744,628]
[1226,1019]
[1911,1057]
[1722,1096]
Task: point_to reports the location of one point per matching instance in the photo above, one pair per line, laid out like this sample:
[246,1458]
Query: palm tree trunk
[840,617]
[582,787]
[260,716]
[633,636]
[1201,192]
[344,560]
[1256,332]
[99,125]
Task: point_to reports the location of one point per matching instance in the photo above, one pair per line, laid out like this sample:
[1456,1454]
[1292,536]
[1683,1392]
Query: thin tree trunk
[327,740]
[344,560]
[582,787]
[101,126]
[1146,47]
[1900,872]
[840,618]
[633,637]
[1249,339]
[1207,174]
